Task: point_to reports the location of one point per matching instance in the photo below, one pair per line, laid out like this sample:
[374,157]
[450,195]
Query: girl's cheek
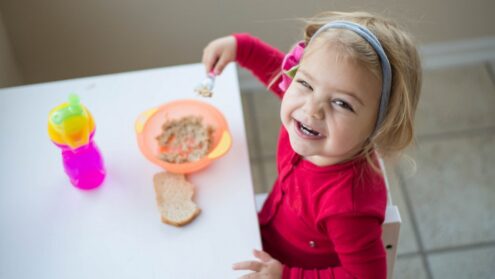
[291,97]
[287,107]
[283,111]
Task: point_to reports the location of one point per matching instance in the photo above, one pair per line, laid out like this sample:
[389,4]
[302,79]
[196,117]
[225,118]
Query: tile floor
[447,203]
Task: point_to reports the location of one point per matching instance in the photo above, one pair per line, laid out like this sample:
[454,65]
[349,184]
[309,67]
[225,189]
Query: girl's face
[331,106]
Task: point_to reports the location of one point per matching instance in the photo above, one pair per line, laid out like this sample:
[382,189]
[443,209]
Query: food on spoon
[203,91]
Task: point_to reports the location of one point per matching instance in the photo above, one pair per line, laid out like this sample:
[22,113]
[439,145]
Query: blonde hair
[397,129]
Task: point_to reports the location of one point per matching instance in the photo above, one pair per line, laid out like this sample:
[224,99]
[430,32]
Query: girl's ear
[290,64]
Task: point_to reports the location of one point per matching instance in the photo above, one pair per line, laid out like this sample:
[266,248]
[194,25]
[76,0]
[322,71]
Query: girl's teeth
[308,131]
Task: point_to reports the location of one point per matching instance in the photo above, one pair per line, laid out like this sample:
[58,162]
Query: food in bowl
[184,140]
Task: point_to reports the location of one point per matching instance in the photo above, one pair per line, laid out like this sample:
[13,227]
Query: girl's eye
[343,105]
[305,84]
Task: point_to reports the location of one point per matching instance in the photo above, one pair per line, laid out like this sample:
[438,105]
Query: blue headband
[366,34]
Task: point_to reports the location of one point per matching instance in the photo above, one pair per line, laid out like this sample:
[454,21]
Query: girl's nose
[314,108]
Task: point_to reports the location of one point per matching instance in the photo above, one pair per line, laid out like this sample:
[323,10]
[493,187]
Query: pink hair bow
[290,64]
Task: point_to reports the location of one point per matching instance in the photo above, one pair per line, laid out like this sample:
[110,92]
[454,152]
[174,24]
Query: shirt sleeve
[263,60]
[358,243]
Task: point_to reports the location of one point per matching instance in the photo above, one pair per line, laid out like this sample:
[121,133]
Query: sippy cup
[71,127]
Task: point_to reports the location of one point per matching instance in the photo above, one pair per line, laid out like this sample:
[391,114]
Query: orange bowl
[149,126]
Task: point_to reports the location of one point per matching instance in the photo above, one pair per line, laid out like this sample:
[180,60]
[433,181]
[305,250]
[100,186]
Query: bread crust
[173,191]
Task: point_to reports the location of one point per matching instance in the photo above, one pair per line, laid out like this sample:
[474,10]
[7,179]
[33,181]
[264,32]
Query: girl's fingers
[248,265]
[218,54]
[209,61]
[220,65]
[262,255]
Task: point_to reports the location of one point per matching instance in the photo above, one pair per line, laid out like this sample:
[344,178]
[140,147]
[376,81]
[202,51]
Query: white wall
[57,39]
[9,71]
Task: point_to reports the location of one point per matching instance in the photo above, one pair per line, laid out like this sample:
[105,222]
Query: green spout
[74,108]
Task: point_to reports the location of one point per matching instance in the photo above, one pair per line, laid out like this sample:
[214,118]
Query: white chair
[390,227]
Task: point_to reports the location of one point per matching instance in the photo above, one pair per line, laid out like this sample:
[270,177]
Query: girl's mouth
[306,132]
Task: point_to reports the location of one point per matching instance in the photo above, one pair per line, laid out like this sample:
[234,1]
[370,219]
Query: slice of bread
[174,198]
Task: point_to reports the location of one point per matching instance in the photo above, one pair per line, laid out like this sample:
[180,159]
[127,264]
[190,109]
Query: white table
[50,229]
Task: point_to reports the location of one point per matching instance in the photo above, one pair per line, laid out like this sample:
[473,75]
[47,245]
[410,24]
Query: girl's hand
[218,53]
[268,268]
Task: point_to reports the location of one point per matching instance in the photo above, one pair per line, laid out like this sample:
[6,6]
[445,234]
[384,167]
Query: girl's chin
[300,146]
[312,154]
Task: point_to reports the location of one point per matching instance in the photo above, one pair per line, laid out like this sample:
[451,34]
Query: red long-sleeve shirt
[319,222]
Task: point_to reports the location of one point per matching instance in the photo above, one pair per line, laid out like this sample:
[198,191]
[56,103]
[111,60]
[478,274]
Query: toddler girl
[349,92]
